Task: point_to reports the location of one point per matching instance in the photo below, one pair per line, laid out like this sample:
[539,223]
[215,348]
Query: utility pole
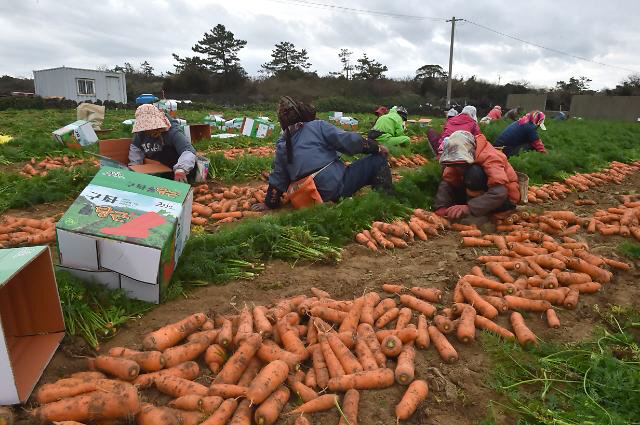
[453,29]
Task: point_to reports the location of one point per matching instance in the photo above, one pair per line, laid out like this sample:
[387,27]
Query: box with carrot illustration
[126,230]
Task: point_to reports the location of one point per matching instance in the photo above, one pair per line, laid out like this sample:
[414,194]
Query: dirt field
[458,393]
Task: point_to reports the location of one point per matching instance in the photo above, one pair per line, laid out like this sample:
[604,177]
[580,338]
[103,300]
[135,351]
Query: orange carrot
[427,294]
[320,404]
[242,415]
[415,394]
[587,287]
[346,358]
[443,324]
[176,386]
[227,390]
[525,304]
[523,333]
[365,355]
[171,334]
[405,369]
[350,322]
[329,314]
[596,273]
[488,325]
[498,302]
[267,413]
[466,331]
[268,379]
[149,361]
[554,296]
[333,364]
[571,300]
[391,346]
[185,352]
[366,332]
[404,317]
[481,306]
[483,282]
[214,357]
[237,363]
[122,368]
[498,270]
[418,305]
[261,323]
[617,264]
[350,407]
[319,293]
[552,319]
[469,241]
[270,351]
[442,345]
[366,314]
[304,392]
[366,380]
[387,317]
[382,307]
[422,340]
[393,289]
[187,370]
[223,413]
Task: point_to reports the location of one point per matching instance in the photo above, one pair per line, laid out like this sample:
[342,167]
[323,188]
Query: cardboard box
[215,120]
[200,132]
[424,122]
[255,127]
[115,153]
[31,321]
[348,123]
[335,116]
[76,135]
[234,124]
[168,106]
[129,223]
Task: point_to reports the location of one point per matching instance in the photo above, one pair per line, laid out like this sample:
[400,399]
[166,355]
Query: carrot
[366,380]
[320,367]
[382,307]
[466,331]
[200,221]
[391,346]
[329,314]
[153,415]
[483,282]
[119,401]
[310,378]
[587,287]
[185,352]
[552,319]
[567,216]
[187,370]
[214,357]
[227,390]
[210,336]
[417,230]
[406,335]
[304,392]
[405,369]
[223,413]
[498,302]
[443,324]
[249,374]
[472,233]
[225,215]
[170,335]
[422,340]
[370,300]
[596,273]
[290,339]
[320,404]
[225,335]
[494,258]
[237,363]
[442,345]
[187,402]
[568,278]
[176,386]
[333,364]
[418,305]
[393,289]
[365,355]
[268,379]
[387,317]
[469,241]
[571,300]
[380,239]
[319,293]
[488,325]
[261,323]
[149,361]
[245,326]
[416,393]
[427,294]
[525,304]
[69,387]
[269,410]
[554,296]
[122,368]
[523,333]
[346,358]
[498,270]
[242,415]
[350,407]
[93,374]
[404,317]
[366,332]
[270,351]
[350,322]
[617,264]
[481,306]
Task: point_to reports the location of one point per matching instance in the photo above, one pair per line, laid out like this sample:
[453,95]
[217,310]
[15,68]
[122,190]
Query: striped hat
[536,117]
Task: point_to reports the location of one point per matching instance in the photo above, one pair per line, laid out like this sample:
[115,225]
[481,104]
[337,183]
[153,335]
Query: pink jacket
[495,114]
[459,122]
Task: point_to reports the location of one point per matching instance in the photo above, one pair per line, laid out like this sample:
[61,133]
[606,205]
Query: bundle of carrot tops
[225,205]
[42,168]
[16,231]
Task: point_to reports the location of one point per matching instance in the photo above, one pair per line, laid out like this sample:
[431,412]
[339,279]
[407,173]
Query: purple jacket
[459,122]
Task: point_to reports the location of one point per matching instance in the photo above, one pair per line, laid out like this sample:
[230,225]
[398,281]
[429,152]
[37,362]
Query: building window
[86,87]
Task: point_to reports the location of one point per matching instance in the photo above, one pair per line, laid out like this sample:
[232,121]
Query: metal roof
[79,69]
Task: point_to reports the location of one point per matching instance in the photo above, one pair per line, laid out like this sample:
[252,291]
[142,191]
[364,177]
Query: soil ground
[459,393]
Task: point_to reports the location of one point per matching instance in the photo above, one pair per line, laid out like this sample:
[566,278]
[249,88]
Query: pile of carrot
[15,231]
[235,153]
[42,168]
[582,182]
[416,160]
[399,234]
[225,204]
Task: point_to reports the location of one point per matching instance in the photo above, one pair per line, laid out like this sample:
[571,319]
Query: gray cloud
[48,33]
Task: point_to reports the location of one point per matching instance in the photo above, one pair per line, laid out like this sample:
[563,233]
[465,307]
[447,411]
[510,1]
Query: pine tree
[285,59]
[369,69]
[221,50]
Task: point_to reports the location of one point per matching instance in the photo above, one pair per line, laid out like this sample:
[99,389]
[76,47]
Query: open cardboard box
[118,151]
[31,320]
[200,132]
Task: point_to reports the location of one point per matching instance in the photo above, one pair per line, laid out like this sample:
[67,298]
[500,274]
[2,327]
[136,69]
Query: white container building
[81,85]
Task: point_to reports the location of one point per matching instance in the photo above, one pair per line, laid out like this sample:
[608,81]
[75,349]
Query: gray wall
[62,82]
[622,108]
[528,102]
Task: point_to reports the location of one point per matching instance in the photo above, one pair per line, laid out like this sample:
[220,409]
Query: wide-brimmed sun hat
[148,117]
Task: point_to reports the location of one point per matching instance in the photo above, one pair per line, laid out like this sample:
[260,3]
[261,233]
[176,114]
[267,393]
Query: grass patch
[592,382]
[246,168]
[630,250]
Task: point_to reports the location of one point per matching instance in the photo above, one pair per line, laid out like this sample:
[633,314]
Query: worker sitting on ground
[160,139]
[477,179]
[522,135]
[465,121]
[389,128]
[513,114]
[433,136]
[382,110]
[496,113]
[309,148]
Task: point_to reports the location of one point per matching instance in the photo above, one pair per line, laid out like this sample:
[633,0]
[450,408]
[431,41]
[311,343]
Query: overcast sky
[37,34]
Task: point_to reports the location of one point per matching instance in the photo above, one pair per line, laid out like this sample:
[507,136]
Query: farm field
[263,260]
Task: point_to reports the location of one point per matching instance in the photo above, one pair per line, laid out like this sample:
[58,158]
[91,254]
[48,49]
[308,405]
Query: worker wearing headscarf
[465,121]
[159,138]
[434,136]
[522,135]
[308,145]
[495,113]
[477,178]
[389,128]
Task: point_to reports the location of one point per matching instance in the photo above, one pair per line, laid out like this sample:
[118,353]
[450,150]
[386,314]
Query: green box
[126,230]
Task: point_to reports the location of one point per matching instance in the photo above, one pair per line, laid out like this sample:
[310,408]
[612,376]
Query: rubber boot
[382,181]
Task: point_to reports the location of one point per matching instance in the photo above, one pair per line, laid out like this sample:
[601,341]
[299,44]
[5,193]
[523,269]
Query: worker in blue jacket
[308,145]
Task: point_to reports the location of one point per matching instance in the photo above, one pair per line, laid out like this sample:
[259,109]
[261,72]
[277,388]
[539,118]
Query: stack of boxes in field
[126,231]
[335,116]
[170,107]
[257,127]
[76,135]
[422,122]
[216,121]
[349,123]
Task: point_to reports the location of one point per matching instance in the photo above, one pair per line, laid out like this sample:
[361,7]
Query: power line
[548,48]
[361,11]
